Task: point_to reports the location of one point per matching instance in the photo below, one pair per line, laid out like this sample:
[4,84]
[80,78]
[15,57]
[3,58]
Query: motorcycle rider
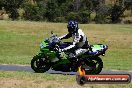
[79,39]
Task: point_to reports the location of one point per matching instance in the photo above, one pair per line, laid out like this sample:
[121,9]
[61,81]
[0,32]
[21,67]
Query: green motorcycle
[49,57]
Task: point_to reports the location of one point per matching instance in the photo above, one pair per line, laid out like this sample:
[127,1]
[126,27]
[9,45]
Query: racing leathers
[79,41]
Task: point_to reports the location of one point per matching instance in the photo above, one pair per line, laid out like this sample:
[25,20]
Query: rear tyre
[39,64]
[93,65]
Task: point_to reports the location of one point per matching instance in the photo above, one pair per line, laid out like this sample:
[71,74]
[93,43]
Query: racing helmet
[72,26]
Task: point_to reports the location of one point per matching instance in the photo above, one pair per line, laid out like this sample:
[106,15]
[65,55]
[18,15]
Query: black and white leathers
[79,39]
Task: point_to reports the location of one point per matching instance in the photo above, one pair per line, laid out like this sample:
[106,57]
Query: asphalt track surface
[28,69]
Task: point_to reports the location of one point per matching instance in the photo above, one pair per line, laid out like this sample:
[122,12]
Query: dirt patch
[18,83]
[15,83]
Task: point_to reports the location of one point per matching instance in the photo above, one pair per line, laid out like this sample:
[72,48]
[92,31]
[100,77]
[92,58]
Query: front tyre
[39,64]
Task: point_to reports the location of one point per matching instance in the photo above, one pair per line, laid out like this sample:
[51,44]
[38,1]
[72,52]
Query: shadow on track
[29,69]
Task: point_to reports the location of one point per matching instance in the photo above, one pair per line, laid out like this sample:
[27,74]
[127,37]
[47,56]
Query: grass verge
[11,79]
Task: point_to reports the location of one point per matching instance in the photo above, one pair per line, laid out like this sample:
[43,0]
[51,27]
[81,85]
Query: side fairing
[44,48]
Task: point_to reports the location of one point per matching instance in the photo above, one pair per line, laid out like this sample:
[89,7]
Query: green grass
[34,76]
[19,41]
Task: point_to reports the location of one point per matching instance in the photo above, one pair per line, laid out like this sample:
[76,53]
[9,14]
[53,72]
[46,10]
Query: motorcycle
[49,57]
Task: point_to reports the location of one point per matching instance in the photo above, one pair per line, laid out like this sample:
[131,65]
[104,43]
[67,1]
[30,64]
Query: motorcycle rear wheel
[94,63]
[39,64]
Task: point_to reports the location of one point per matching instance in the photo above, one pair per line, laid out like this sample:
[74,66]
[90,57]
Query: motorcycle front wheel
[39,64]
